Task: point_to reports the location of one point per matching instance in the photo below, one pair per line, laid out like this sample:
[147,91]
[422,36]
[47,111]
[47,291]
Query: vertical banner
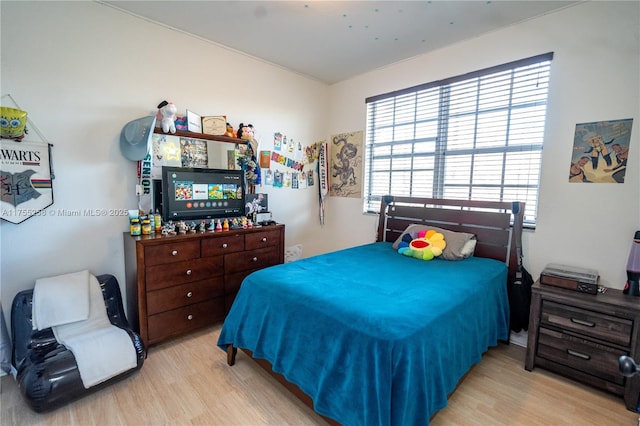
[145,187]
[346,165]
[323,177]
[25,180]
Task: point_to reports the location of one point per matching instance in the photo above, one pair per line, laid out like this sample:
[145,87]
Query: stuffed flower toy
[427,245]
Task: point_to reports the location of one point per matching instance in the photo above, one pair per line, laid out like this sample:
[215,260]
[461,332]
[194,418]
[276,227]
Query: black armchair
[47,372]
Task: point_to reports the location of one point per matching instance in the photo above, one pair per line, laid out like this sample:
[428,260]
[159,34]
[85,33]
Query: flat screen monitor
[196,194]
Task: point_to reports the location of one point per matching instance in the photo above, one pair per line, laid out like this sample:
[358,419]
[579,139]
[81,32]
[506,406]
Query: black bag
[520,299]
[519,287]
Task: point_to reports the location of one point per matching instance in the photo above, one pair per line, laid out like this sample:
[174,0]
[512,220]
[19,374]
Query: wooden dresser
[177,284]
[582,335]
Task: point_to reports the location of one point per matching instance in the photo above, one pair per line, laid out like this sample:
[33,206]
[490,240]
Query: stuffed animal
[247,159]
[230,131]
[181,123]
[13,123]
[166,116]
[245,131]
[426,246]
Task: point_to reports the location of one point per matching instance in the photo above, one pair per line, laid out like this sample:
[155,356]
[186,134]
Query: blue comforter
[373,337]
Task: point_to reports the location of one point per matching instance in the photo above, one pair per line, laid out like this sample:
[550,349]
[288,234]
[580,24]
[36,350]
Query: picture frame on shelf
[214,125]
[194,122]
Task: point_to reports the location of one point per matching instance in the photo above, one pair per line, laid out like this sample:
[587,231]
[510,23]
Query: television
[196,194]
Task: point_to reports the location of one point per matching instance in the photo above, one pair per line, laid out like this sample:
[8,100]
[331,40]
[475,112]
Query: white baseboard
[519,339]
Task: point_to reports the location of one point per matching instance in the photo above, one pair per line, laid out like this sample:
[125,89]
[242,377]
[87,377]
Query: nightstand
[581,336]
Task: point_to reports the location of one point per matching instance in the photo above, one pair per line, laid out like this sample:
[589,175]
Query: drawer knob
[189,272]
[225,245]
[189,294]
[255,259]
[174,253]
[583,322]
[189,317]
[264,239]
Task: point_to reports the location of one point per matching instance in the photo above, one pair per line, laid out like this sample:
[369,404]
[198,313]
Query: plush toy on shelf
[166,116]
[230,133]
[245,131]
[246,154]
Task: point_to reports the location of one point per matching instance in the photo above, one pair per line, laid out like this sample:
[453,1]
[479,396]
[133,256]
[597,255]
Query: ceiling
[332,41]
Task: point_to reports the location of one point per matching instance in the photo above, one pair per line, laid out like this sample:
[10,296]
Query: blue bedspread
[374,337]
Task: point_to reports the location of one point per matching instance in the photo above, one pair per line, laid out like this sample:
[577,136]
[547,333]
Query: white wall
[595,75]
[82,70]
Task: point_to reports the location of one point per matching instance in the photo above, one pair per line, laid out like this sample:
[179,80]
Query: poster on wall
[166,152]
[193,153]
[25,180]
[345,165]
[600,151]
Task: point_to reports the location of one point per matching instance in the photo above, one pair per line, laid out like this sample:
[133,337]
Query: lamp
[135,138]
[632,287]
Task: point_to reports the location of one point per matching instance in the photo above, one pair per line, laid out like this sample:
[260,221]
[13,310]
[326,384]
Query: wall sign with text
[25,180]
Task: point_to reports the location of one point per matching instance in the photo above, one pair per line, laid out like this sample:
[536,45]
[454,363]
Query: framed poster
[26,187]
[193,153]
[345,165]
[214,125]
[600,151]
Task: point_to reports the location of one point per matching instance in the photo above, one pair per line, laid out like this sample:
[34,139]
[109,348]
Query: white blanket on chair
[101,349]
[60,300]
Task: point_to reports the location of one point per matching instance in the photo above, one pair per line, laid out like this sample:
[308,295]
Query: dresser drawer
[171,274]
[251,260]
[580,354]
[222,245]
[262,239]
[171,252]
[184,294]
[183,320]
[232,282]
[605,327]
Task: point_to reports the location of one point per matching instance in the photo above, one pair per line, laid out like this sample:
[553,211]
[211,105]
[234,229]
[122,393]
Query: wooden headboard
[490,221]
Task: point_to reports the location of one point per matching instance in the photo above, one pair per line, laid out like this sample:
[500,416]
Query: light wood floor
[187,381]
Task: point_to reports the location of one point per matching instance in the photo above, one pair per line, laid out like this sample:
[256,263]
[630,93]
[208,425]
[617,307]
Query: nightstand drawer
[580,354]
[589,323]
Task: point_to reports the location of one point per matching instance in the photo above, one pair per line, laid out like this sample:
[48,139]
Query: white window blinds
[478,136]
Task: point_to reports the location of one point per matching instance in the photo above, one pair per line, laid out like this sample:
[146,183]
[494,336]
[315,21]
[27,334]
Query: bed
[367,336]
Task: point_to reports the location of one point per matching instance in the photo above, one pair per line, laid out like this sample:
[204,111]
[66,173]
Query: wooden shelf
[204,136]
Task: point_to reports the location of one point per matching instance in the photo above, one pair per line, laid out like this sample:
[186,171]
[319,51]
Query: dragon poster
[345,165]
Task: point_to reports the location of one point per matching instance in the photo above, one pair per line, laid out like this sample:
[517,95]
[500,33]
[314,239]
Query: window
[478,136]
